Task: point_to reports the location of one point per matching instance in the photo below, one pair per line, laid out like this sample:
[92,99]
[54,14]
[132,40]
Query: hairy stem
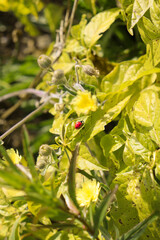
[34,83]
[38,93]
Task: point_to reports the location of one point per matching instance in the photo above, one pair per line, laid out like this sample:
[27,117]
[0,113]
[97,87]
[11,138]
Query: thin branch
[34,83]
[72,17]
[61,32]
[38,93]
[17,125]
[57,51]
[66,19]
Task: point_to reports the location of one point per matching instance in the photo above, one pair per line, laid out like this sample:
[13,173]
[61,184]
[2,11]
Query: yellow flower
[84,102]
[88,193]
[14,156]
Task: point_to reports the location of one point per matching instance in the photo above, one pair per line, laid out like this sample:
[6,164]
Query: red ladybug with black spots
[78,124]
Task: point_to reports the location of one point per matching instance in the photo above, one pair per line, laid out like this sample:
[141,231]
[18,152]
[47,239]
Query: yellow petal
[88,193]
[14,156]
[84,103]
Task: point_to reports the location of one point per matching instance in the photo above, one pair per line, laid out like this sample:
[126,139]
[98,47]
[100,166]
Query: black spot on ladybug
[108,127]
[120,221]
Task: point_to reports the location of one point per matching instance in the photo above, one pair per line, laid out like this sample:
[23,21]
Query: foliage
[100,180]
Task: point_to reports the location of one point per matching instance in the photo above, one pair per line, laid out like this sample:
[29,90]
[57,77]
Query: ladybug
[78,124]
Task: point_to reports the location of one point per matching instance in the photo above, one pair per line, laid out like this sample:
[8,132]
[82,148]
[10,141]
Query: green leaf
[137,198]
[148,30]
[99,24]
[28,153]
[14,235]
[138,230]
[71,176]
[144,192]
[145,139]
[107,143]
[112,149]
[118,106]
[85,133]
[153,52]
[123,75]
[155,13]
[134,151]
[105,234]
[70,131]
[96,149]
[145,108]
[146,114]
[113,107]
[134,10]
[77,30]
[87,160]
[65,63]
[17,181]
[73,46]
[23,7]
[57,125]
[157,164]
[101,210]
[126,217]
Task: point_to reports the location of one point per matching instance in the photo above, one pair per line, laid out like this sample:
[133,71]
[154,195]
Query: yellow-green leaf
[99,24]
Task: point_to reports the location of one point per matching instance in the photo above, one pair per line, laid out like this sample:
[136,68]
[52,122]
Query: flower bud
[41,164]
[45,150]
[59,73]
[90,70]
[44,61]
[58,77]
